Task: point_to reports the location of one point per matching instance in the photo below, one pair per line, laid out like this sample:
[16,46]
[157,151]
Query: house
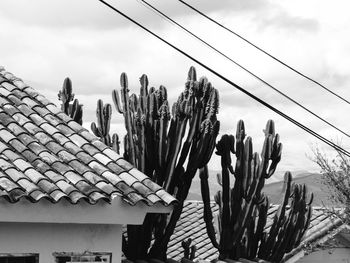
[323,236]
[64,195]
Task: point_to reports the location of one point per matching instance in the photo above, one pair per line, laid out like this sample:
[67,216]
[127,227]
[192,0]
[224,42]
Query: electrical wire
[318,136]
[265,52]
[164,16]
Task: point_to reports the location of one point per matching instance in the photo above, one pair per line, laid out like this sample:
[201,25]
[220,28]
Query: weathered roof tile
[45,154]
[111,154]
[78,140]
[27,185]
[92,150]
[67,188]
[26,139]
[21,164]
[65,130]
[17,145]
[63,140]
[14,174]
[47,186]
[37,195]
[102,158]
[106,187]
[7,184]
[57,195]
[114,180]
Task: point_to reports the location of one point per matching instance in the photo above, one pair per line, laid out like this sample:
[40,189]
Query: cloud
[222,6]
[59,13]
[50,40]
[94,15]
[284,21]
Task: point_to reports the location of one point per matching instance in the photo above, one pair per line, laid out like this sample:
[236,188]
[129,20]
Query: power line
[330,143]
[265,52]
[164,16]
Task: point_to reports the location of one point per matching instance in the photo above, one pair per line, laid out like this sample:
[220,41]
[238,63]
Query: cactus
[103,114]
[189,251]
[243,209]
[287,230]
[74,110]
[168,147]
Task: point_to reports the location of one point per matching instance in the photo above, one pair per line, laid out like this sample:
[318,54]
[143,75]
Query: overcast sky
[45,41]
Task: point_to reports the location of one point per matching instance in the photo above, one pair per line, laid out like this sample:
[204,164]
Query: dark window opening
[65,257]
[19,258]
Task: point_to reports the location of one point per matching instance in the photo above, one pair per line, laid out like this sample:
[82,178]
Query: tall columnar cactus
[74,110]
[169,148]
[243,209]
[103,114]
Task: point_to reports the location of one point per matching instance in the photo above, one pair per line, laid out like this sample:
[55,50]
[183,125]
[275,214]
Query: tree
[335,174]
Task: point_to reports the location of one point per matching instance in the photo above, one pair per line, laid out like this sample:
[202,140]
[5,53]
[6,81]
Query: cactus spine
[243,209]
[169,148]
[74,110]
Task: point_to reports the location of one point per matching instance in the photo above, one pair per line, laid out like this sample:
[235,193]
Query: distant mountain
[273,188]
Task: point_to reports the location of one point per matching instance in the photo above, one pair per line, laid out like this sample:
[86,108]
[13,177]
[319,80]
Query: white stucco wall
[47,238]
[45,228]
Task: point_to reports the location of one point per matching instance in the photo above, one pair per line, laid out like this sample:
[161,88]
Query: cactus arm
[193,252]
[176,147]
[225,221]
[127,116]
[95,130]
[77,112]
[100,118]
[263,212]
[275,155]
[208,215]
[248,152]
[265,249]
[163,126]
[308,219]
[204,159]
[170,141]
[66,95]
[116,143]
[223,150]
[188,142]
[116,100]
[107,112]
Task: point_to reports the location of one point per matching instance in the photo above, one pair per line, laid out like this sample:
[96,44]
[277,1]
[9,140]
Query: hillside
[274,189]
[313,182]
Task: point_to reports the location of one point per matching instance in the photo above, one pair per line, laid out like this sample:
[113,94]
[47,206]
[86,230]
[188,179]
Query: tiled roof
[191,225]
[45,154]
